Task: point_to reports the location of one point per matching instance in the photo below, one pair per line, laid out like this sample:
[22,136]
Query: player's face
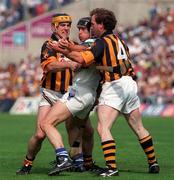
[63,30]
[83,34]
[95,28]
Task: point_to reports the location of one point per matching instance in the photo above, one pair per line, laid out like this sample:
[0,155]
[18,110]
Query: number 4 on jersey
[121,52]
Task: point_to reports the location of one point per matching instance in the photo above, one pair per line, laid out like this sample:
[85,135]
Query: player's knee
[40,136]
[102,128]
[43,126]
[99,128]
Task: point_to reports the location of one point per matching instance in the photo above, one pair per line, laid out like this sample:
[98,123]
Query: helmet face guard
[84,22]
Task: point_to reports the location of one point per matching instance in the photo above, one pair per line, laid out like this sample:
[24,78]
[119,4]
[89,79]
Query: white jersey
[88,77]
[81,95]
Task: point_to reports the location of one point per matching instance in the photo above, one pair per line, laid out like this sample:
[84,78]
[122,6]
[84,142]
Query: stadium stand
[14,11]
[20,80]
[151,44]
[11,12]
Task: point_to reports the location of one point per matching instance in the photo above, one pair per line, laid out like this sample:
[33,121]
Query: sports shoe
[25,169]
[77,168]
[107,172]
[78,163]
[63,163]
[94,168]
[154,168]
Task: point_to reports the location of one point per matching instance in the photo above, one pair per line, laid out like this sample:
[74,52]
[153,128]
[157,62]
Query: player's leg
[135,122]
[87,144]
[80,106]
[133,117]
[66,108]
[81,132]
[35,142]
[74,130]
[58,113]
[106,117]
[74,135]
[87,148]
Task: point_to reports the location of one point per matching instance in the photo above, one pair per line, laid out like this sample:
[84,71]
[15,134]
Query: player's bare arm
[73,55]
[60,66]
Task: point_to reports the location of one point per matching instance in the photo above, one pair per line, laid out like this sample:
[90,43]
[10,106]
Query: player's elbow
[50,67]
[76,56]
[81,61]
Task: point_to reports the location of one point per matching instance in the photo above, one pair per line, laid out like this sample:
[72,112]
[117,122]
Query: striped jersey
[110,50]
[56,81]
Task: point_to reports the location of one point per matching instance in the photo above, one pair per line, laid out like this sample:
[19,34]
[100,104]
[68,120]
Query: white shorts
[120,94]
[80,102]
[49,97]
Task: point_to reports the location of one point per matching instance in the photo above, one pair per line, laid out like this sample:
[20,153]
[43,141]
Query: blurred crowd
[11,12]
[14,11]
[151,45]
[20,80]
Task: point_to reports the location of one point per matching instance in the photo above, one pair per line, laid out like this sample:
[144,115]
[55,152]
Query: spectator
[151,44]
[20,80]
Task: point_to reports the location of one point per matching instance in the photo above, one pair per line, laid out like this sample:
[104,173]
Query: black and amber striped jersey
[110,50]
[56,81]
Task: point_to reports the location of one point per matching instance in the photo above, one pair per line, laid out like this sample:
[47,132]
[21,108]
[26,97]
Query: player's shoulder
[45,44]
[99,41]
[88,42]
[91,40]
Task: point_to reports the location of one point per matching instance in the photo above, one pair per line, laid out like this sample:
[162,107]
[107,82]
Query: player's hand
[57,47]
[74,66]
[63,43]
[53,45]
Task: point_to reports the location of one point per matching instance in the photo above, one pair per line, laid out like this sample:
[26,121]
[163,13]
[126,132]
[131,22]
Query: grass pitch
[15,132]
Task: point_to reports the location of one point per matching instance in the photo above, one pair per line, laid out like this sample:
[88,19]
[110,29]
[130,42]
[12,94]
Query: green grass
[16,130]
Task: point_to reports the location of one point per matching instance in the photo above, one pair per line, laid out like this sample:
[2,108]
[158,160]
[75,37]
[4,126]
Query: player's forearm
[77,47]
[75,56]
[57,66]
